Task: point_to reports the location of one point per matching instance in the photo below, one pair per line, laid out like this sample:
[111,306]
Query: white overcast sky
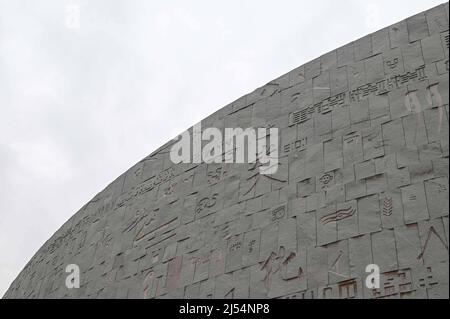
[80,105]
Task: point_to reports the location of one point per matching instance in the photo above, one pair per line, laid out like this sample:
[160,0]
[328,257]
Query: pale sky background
[80,103]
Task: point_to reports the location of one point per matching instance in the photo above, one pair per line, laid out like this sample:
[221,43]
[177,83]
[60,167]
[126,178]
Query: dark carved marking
[339,215]
[387,206]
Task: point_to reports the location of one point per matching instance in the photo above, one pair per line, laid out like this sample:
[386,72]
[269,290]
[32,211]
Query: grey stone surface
[363,178]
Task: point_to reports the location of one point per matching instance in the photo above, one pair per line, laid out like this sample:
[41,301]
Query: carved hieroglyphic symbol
[216,175]
[351,139]
[106,239]
[146,186]
[138,172]
[335,265]
[298,145]
[348,289]
[385,85]
[387,206]
[441,188]
[374,88]
[344,290]
[277,263]
[147,284]
[326,179]
[138,217]
[392,63]
[274,89]
[428,280]
[447,40]
[235,246]
[278,213]
[251,246]
[376,140]
[432,231]
[295,96]
[147,225]
[205,203]
[71,233]
[169,190]
[339,215]
[393,283]
[255,176]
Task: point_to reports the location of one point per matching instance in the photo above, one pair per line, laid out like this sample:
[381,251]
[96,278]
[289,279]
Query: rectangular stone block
[398,34]
[251,247]
[421,171]
[393,136]
[317,267]
[417,27]
[234,253]
[217,260]
[359,111]
[338,262]
[374,68]
[356,74]
[338,80]
[202,265]
[328,61]
[380,41]
[355,189]
[379,111]
[225,287]
[437,197]
[384,251]
[312,69]
[333,158]
[352,148]
[408,245]
[340,117]
[437,19]
[345,54]
[322,127]
[415,130]
[362,48]
[414,203]
[364,169]
[306,230]
[360,255]
[206,290]
[376,184]
[314,160]
[432,49]
[398,177]
[321,87]
[287,234]
[369,214]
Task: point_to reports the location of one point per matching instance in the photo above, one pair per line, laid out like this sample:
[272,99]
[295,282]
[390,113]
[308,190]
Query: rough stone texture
[363,179]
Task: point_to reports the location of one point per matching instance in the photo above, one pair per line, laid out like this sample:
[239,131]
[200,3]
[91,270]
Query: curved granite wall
[362,179]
